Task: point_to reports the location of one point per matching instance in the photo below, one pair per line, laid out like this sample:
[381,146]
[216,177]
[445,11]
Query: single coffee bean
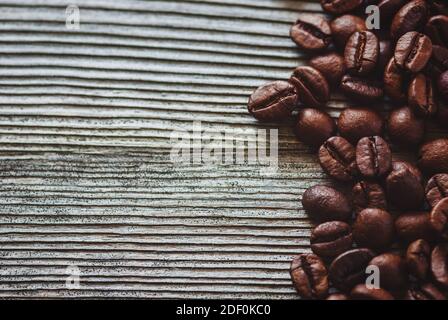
[337,158]
[310,277]
[412,16]
[332,238]
[314,126]
[324,203]
[311,86]
[361,89]
[373,228]
[388,9]
[340,6]
[349,268]
[311,32]
[438,7]
[425,291]
[413,51]
[344,26]
[361,53]
[331,65]
[411,226]
[437,189]
[401,165]
[362,292]
[438,62]
[433,156]
[418,258]
[395,82]
[373,157]
[338,297]
[439,217]
[443,85]
[439,264]
[421,96]
[273,101]
[405,128]
[437,30]
[392,271]
[366,194]
[404,188]
[357,123]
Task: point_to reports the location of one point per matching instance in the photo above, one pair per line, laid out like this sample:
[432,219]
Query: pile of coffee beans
[394,222]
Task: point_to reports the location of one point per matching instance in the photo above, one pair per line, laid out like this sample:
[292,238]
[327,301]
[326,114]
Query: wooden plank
[85,123]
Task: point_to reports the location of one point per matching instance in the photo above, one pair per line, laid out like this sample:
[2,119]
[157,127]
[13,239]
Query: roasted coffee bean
[273,101]
[373,157]
[324,203]
[412,16]
[361,53]
[413,51]
[340,6]
[412,226]
[404,188]
[337,158]
[426,291]
[344,26]
[311,86]
[392,269]
[314,126]
[405,128]
[331,65]
[421,96]
[361,89]
[338,297]
[366,194]
[357,123]
[332,238]
[395,82]
[439,7]
[418,257]
[438,63]
[349,268]
[443,85]
[401,165]
[439,264]
[373,228]
[437,30]
[362,292]
[311,32]
[437,189]
[439,217]
[433,156]
[309,276]
[388,9]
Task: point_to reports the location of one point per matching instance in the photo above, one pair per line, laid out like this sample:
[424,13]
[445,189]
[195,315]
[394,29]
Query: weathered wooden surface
[85,121]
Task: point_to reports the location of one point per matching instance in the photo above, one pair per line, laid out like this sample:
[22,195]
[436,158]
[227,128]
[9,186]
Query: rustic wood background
[85,122]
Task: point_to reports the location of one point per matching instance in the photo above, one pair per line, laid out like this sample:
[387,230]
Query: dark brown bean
[405,128]
[392,268]
[361,53]
[311,86]
[426,291]
[357,123]
[314,126]
[412,16]
[411,226]
[340,6]
[337,158]
[413,51]
[373,228]
[421,96]
[439,264]
[388,9]
[362,292]
[437,30]
[324,203]
[311,32]
[331,65]
[309,275]
[437,189]
[433,156]
[344,26]
[439,217]
[418,258]
[373,157]
[361,89]
[331,238]
[273,101]
[395,82]
[366,194]
[438,63]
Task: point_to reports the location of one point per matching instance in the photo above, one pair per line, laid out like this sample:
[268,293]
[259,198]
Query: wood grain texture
[85,123]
